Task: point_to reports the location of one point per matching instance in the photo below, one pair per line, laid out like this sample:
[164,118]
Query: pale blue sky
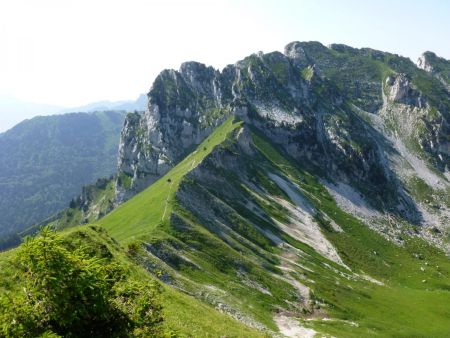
[71,52]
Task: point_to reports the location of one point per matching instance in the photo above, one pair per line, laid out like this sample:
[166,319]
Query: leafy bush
[74,294]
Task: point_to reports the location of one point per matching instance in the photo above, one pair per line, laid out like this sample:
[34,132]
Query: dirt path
[290,327]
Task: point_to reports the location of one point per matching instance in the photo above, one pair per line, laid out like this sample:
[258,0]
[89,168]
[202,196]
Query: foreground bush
[73,294]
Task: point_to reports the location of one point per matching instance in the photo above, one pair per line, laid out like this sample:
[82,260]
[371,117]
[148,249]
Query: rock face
[186,105]
[424,63]
[336,109]
[183,108]
[401,91]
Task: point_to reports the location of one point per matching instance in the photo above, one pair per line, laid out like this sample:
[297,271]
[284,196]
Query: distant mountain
[128,105]
[13,111]
[45,161]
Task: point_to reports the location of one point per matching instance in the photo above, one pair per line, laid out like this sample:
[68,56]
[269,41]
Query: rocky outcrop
[416,121]
[140,162]
[437,67]
[424,63]
[402,91]
[183,108]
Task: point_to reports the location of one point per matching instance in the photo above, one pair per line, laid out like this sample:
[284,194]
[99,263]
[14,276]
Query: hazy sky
[65,52]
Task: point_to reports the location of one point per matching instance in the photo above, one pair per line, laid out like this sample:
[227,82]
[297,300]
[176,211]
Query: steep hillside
[46,160]
[183,315]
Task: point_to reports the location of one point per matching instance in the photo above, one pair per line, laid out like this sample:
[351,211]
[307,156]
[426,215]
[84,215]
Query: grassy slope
[146,216]
[190,317]
[153,206]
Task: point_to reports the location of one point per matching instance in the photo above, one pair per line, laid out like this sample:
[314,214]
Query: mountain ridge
[393,93]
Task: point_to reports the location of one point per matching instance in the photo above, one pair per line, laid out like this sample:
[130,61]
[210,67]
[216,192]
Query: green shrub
[74,294]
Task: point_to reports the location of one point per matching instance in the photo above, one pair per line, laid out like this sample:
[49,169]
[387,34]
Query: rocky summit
[300,194]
